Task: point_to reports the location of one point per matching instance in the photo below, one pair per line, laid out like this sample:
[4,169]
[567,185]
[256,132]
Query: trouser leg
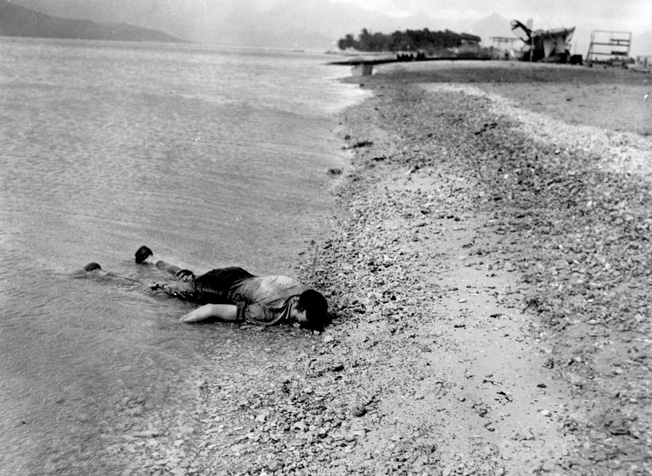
[180,273]
[210,288]
[182,289]
[170,268]
[144,253]
[213,287]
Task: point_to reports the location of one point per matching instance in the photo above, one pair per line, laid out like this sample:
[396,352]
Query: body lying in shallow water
[229,294]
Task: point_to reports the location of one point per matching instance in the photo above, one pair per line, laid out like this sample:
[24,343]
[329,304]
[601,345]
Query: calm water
[210,157]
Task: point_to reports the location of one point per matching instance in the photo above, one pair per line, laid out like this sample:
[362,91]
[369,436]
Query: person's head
[311,310]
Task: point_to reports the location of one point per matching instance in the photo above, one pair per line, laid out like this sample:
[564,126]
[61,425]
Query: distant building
[470,43]
[644,61]
[502,48]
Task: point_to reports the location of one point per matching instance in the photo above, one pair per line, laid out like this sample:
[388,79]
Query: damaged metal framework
[551,46]
[615,45]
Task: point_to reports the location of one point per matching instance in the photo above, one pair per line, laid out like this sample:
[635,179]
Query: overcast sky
[627,15]
[215,21]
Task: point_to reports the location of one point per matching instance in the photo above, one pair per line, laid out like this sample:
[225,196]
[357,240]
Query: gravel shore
[489,272]
[552,223]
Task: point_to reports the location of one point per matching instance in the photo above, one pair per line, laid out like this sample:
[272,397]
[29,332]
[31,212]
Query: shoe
[92,267]
[142,254]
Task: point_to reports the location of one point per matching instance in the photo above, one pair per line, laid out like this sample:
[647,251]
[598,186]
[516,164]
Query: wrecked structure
[611,47]
[550,46]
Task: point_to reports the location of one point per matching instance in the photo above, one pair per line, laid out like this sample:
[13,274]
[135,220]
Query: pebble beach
[489,273]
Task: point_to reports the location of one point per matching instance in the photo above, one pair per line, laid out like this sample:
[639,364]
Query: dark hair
[316,308]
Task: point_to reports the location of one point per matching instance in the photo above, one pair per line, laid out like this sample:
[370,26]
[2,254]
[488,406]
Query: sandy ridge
[622,152]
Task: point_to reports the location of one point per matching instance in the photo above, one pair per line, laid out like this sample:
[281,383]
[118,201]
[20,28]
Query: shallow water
[210,157]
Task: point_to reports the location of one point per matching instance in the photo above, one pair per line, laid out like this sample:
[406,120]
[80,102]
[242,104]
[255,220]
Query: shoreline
[488,322]
[572,346]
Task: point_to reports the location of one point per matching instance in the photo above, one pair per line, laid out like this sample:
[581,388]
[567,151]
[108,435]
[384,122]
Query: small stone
[574,379]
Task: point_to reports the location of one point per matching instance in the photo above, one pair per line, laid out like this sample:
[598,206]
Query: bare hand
[185,275]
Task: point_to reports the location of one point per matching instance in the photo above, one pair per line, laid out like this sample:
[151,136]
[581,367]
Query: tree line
[409,40]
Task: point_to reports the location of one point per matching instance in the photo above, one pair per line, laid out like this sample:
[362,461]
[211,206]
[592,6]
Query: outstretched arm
[223,312]
[182,274]
[146,255]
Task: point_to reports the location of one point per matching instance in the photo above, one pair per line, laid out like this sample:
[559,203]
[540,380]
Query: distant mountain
[301,39]
[289,23]
[493,25]
[334,20]
[305,24]
[20,21]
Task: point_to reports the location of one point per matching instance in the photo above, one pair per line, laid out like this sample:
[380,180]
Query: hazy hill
[493,25]
[19,21]
[309,24]
[305,24]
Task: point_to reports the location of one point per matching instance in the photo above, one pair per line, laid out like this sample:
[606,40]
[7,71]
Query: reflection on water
[211,158]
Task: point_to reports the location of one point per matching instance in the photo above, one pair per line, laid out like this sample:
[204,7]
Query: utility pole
[530,25]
